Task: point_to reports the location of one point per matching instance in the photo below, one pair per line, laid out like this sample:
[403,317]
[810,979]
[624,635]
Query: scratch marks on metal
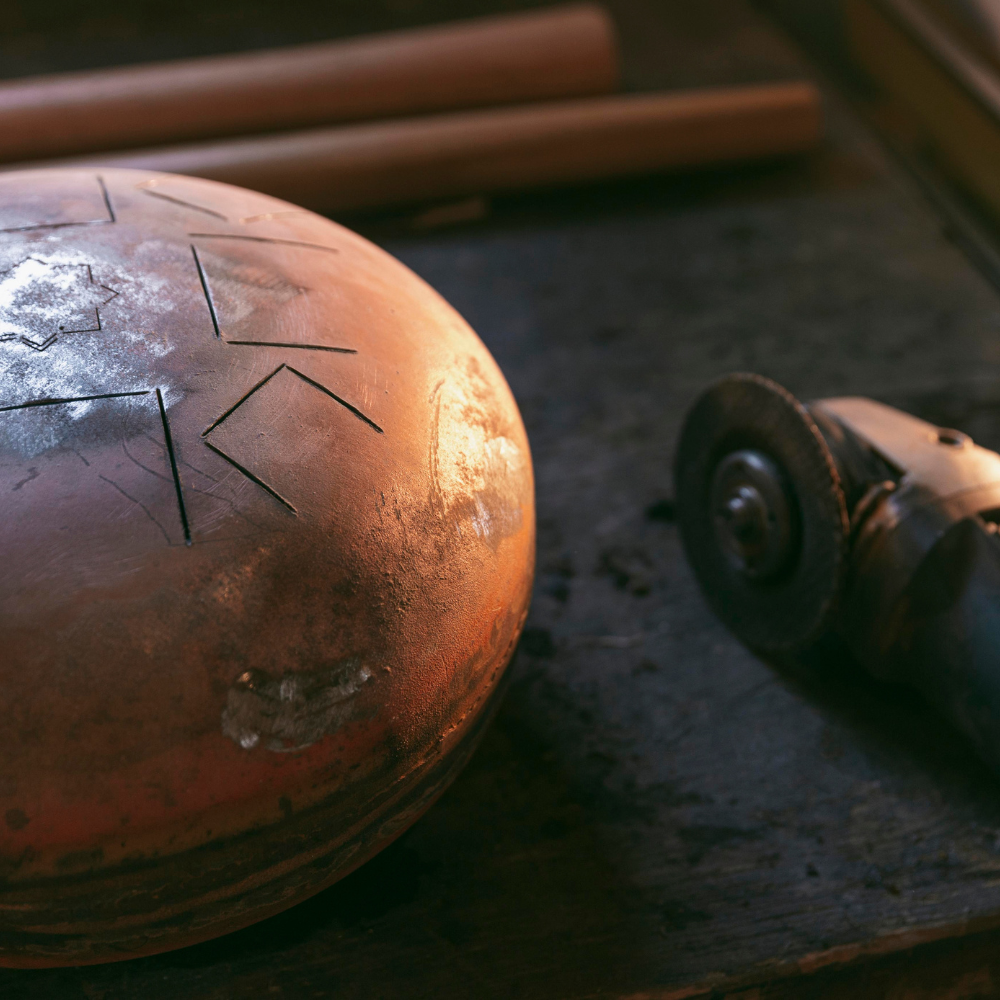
[168,441]
[478,472]
[138,503]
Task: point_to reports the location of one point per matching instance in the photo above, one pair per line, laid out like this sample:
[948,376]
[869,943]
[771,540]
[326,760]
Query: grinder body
[895,517]
[921,598]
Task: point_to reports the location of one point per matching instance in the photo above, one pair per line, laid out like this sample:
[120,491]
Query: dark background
[715,38]
[68,34]
[655,813]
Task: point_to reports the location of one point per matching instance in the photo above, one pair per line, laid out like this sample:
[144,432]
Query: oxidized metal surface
[267,539]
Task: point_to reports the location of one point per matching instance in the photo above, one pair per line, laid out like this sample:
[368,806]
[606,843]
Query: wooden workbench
[655,812]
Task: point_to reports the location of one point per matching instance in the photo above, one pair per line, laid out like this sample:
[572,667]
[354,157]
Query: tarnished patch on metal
[291,712]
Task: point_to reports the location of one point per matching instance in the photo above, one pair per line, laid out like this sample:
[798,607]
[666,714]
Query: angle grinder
[267,539]
[845,515]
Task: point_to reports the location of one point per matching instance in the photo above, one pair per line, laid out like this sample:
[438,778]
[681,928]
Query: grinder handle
[946,631]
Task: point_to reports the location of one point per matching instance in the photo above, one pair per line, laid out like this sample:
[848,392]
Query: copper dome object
[267,546]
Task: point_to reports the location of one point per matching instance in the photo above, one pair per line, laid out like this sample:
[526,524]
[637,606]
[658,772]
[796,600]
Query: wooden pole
[543,55]
[446,156]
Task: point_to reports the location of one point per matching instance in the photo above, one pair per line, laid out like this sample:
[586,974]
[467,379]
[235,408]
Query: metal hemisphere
[268,540]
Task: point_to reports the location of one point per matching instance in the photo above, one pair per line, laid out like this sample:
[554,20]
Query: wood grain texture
[447,156]
[564,52]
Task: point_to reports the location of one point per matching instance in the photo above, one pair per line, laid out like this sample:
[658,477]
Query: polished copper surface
[267,544]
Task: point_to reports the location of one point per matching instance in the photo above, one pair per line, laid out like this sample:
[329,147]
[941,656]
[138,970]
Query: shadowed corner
[891,722]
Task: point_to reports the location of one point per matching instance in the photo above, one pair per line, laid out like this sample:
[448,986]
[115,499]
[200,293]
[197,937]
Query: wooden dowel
[562,52]
[421,159]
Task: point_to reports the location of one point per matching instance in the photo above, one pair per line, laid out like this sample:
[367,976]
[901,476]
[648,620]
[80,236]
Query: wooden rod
[562,52]
[445,156]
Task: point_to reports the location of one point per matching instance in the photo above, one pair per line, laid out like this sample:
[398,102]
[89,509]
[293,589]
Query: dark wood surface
[655,812]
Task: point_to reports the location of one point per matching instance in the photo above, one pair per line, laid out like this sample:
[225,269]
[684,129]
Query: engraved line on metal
[107,198]
[254,479]
[47,343]
[181,202]
[43,345]
[56,225]
[97,309]
[300,347]
[263,239]
[343,402]
[71,399]
[267,378]
[173,467]
[204,288]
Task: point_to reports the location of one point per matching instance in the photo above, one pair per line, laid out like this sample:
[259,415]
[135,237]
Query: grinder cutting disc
[267,545]
[761,512]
